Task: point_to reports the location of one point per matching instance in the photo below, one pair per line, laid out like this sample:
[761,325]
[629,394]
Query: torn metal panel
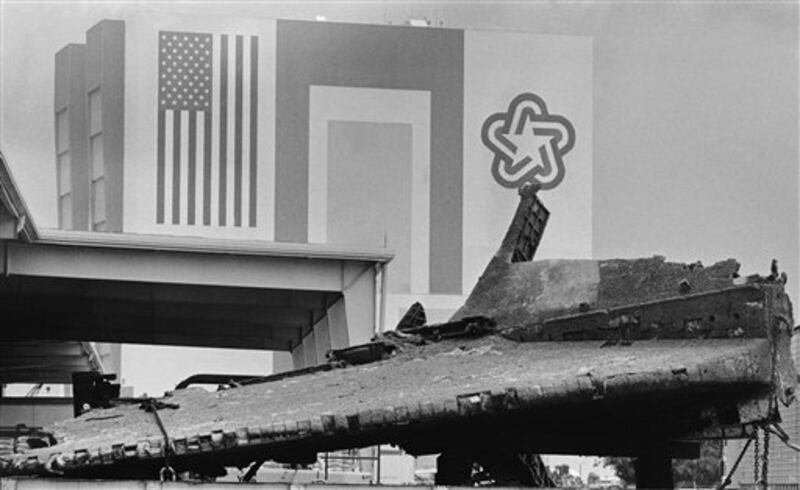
[525,293]
[733,312]
[519,292]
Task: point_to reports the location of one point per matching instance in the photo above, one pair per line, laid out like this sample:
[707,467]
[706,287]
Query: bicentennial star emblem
[528,143]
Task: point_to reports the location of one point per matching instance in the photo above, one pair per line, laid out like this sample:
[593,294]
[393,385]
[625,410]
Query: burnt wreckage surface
[618,357]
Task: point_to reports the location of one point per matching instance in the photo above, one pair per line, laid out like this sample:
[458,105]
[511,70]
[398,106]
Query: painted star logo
[528,143]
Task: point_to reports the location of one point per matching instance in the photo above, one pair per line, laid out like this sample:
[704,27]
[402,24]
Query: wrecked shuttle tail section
[625,300]
[613,357]
[514,290]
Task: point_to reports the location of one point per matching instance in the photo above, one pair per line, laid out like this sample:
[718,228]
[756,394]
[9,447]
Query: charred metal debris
[537,355]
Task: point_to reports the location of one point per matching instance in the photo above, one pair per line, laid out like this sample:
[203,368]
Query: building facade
[89,111]
[317,132]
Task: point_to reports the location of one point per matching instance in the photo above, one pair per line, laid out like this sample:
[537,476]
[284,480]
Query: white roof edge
[173,243]
[11,199]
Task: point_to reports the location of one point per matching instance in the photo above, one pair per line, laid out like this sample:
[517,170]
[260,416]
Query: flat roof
[12,202]
[176,243]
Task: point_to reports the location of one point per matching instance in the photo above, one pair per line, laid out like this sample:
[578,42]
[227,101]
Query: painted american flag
[207,129]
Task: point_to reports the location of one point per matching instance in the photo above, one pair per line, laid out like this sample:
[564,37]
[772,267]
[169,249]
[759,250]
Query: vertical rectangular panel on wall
[105,70]
[70,96]
[382,57]
[377,156]
[379,138]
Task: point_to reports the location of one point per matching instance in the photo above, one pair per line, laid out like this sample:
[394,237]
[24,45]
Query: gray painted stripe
[223,128]
[253,127]
[192,170]
[373,56]
[70,96]
[447,173]
[160,169]
[176,167]
[237,142]
[112,85]
[207,167]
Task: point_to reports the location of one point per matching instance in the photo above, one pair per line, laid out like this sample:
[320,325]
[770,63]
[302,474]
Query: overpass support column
[351,320]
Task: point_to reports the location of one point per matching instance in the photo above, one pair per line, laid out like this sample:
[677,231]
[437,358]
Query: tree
[623,468]
[562,470]
[592,478]
[704,471]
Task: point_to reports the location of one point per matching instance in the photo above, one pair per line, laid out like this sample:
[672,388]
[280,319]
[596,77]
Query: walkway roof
[62,285]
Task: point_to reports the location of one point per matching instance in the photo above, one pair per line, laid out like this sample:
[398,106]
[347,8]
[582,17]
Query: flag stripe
[237,152]
[207,167]
[199,181]
[168,115]
[214,136]
[245,134]
[231,134]
[160,168]
[183,192]
[223,127]
[176,167]
[191,170]
[253,125]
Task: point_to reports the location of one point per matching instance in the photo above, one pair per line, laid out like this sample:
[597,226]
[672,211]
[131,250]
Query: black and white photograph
[431,244]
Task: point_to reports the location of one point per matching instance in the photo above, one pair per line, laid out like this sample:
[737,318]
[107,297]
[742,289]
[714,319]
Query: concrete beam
[146,311]
[173,267]
[125,329]
[160,292]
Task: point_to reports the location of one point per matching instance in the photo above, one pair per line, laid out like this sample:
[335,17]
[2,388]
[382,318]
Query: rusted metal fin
[414,317]
[517,248]
[527,228]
